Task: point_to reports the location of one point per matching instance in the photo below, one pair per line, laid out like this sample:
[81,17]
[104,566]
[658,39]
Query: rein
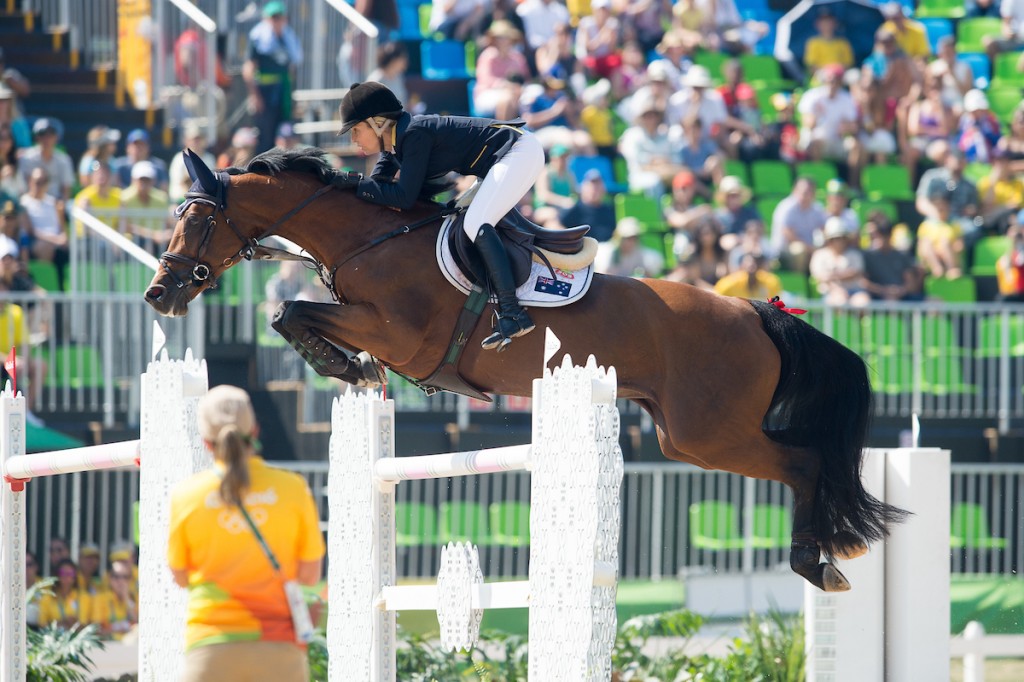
[398,232]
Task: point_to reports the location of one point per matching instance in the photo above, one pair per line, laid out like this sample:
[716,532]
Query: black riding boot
[512,320]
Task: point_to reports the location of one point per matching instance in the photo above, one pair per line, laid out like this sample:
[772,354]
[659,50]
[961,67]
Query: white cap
[834,227]
[975,100]
[144,169]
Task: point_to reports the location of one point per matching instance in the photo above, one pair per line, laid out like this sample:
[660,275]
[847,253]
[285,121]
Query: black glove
[346,180]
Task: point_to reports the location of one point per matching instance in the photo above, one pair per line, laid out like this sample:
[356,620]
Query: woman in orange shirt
[238,533]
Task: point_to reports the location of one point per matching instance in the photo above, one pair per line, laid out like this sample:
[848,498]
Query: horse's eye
[191,221]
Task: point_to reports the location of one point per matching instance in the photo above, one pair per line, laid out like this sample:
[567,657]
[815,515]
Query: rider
[506,158]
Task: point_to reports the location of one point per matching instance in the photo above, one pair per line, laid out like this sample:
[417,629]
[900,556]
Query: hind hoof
[832,580]
[852,545]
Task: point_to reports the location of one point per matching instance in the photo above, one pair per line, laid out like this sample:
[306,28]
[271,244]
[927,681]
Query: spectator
[632,74]
[889,274]
[146,210]
[13,80]
[597,40]
[782,136]
[698,153]
[46,224]
[838,267]
[246,533]
[116,611]
[896,71]
[682,214]
[541,19]
[457,19]
[830,125]
[137,149]
[964,203]
[748,111]
[752,241]
[242,150]
[269,72]
[797,225]
[1010,267]
[979,130]
[687,272]
[675,56]
[102,146]
[658,87]
[837,205]
[1012,38]
[910,35]
[500,59]
[752,280]
[392,63]
[59,550]
[734,208]
[551,107]
[875,117]
[89,579]
[940,243]
[645,20]
[286,137]
[729,31]
[57,164]
[67,606]
[981,8]
[101,197]
[31,578]
[190,62]
[557,57]
[11,183]
[1012,144]
[555,185]
[700,99]
[10,236]
[732,71]
[19,126]
[825,47]
[192,137]
[711,259]
[929,120]
[625,256]
[591,208]
[1002,197]
[955,75]
[652,157]
[125,551]
[597,118]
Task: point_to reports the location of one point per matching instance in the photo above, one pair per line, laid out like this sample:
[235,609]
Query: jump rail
[576,471]
[171,447]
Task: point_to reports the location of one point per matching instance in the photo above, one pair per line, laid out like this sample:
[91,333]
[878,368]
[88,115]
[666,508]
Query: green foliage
[59,655]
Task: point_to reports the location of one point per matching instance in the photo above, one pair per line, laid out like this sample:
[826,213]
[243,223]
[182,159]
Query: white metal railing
[657,540]
[91,26]
[974,645]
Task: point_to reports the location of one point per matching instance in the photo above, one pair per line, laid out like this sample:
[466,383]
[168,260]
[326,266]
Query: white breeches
[507,182]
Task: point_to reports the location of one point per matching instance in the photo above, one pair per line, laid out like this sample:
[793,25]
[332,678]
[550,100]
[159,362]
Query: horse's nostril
[155,293]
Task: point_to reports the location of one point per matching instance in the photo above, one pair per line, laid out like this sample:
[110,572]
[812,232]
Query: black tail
[823,403]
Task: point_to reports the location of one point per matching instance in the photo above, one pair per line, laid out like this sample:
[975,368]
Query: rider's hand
[346,180]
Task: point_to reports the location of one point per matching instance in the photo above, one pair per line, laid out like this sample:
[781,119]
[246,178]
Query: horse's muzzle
[161,300]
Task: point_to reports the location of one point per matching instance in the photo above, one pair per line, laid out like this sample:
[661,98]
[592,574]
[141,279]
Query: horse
[732,385]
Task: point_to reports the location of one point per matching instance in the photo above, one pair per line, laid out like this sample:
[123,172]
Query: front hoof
[372,372]
[832,580]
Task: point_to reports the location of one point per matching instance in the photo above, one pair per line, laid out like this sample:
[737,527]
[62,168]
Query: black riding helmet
[365,100]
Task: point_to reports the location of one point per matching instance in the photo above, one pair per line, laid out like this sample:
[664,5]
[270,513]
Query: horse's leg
[322,355]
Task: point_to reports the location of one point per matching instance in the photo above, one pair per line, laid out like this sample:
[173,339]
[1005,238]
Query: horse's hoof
[848,546]
[832,580]
[372,371]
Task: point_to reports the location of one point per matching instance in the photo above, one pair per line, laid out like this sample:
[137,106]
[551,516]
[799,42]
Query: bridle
[201,272]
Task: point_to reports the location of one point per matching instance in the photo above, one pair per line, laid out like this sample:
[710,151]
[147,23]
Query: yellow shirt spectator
[598,123]
[819,52]
[1008,192]
[912,39]
[13,330]
[766,285]
[234,594]
[75,607]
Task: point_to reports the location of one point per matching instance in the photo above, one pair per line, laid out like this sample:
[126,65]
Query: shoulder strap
[259,538]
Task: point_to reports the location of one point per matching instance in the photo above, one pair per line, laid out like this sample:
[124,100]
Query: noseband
[201,272]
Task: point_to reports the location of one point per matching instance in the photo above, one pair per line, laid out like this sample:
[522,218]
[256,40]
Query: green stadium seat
[885,334]
[890,374]
[766,207]
[642,207]
[764,70]
[943,9]
[819,171]
[739,169]
[959,290]
[463,522]
[712,61]
[1005,73]
[848,329]
[943,375]
[976,171]
[1004,101]
[415,524]
[772,178]
[795,283]
[969,528]
[44,274]
[864,208]
[970,33]
[77,367]
[714,525]
[510,523]
[887,182]
[773,526]
[990,337]
[987,251]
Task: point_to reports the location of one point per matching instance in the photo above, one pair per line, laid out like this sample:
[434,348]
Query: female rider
[506,158]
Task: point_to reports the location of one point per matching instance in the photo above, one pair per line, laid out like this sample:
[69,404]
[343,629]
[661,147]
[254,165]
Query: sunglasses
[66,574]
[119,576]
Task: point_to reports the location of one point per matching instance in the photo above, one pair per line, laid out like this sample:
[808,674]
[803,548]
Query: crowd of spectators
[87,591]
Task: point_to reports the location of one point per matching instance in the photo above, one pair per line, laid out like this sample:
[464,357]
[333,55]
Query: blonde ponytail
[233,448]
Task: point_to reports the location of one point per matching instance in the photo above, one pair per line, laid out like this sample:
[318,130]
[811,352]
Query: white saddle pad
[539,290]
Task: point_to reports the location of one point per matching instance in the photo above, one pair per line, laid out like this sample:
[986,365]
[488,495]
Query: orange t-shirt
[234,593]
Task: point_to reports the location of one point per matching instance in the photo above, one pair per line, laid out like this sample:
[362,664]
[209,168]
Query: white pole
[109,456]
[488,461]
[974,661]
[12,544]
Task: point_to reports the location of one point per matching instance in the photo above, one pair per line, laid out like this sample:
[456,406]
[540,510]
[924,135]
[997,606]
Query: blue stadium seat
[444,59]
[579,165]
[409,21]
[936,30]
[980,67]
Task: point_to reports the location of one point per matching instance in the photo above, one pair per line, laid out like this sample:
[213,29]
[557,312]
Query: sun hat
[834,228]
[225,406]
[657,72]
[628,227]
[503,28]
[731,184]
[975,100]
[697,77]
[144,169]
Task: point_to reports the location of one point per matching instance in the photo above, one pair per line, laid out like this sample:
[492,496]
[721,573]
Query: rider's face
[364,138]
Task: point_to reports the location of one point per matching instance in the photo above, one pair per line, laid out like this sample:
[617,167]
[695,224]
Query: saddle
[524,241]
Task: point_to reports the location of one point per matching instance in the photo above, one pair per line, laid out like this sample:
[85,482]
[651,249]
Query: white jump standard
[576,472]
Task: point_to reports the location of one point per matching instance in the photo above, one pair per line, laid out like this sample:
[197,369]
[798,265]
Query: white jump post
[172,451]
[893,626]
[576,472]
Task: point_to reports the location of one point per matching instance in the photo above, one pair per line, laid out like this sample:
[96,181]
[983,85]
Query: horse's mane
[314,160]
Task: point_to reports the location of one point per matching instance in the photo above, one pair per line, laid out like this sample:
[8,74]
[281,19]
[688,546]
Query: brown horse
[731,385]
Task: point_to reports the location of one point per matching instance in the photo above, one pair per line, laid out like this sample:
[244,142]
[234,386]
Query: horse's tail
[823,403]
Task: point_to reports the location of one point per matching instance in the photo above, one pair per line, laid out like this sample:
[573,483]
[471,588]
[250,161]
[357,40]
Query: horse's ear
[198,170]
